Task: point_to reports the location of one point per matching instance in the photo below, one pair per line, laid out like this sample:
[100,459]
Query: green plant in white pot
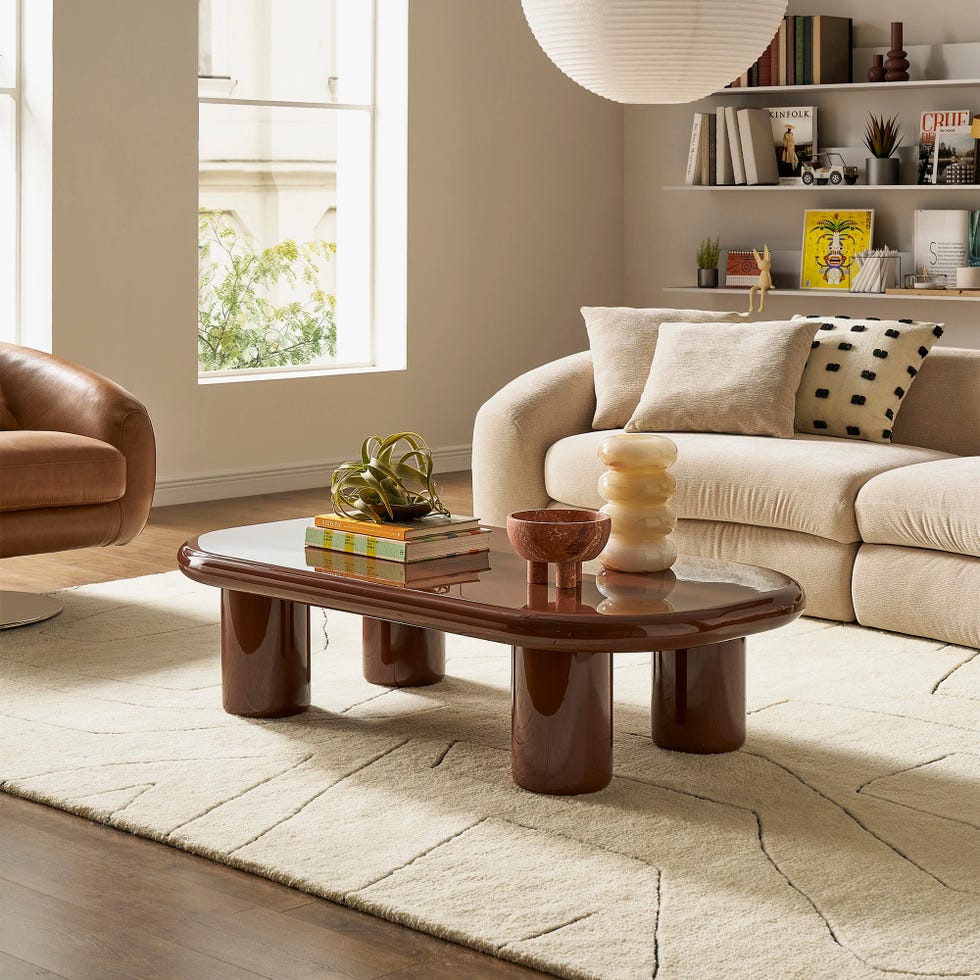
[881,137]
[708,252]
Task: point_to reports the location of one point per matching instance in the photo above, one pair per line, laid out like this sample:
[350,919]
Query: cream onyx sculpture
[637,486]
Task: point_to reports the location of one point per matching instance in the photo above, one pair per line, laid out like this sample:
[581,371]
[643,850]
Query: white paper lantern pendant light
[653,51]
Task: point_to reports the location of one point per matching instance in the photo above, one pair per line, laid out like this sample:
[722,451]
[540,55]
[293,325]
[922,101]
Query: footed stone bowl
[563,537]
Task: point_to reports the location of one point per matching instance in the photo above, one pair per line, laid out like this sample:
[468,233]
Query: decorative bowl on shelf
[563,537]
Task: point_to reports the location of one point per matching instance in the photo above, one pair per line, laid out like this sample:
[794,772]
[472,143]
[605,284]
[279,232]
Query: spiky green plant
[388,482]
[708,252]
[882,136]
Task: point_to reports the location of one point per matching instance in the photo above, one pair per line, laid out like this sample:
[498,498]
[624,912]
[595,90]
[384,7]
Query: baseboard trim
[276,479]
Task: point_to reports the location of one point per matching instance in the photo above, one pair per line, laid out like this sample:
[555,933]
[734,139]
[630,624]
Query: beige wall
[515,220]
[663,228]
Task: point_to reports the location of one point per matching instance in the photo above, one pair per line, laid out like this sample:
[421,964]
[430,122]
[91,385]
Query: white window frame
[15,94]
[370,109]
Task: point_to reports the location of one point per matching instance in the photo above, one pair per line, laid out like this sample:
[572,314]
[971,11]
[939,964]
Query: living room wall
[515,220]
[663,227]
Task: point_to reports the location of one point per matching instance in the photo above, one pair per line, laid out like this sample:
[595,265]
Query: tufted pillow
[735,377]
[858,372]
[622,341]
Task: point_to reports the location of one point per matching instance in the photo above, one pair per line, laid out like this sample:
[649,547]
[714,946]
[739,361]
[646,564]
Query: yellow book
[425,527]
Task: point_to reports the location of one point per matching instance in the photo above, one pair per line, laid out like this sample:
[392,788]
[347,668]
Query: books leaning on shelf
[808,50]
[755,134]
[929,124]
[417,575]
[702,151]
[942,243]
[742,269]
[424,527]
[442,545]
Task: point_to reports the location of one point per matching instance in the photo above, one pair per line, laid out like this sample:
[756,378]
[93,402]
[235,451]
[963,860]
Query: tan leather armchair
[77,456]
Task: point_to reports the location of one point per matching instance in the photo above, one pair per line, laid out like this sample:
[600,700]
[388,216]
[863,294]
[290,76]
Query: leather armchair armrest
[515,429]
[46,392]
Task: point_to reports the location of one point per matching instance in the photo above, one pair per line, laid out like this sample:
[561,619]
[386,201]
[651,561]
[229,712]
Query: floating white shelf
[826,293]
[852,188]
[853,86]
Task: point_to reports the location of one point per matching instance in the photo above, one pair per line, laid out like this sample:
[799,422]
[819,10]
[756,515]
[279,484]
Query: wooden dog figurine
[764,282]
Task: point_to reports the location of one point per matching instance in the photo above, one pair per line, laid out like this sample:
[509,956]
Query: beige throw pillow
[731,377]
[622,341]
[859,370]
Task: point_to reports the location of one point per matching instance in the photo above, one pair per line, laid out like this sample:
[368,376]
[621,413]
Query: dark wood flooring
[81,900]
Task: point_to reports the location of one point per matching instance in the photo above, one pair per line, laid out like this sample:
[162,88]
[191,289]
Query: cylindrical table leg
[561,721]
[698,702]
[396,655]
[265,655]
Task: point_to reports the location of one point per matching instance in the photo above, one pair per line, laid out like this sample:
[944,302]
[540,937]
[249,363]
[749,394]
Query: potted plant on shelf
[708,252]
[881,137]
[391,481]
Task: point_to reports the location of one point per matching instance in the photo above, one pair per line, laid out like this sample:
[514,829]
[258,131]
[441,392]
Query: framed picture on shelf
[831,240]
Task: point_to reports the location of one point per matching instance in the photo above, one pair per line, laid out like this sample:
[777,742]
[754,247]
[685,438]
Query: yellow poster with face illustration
[831,240]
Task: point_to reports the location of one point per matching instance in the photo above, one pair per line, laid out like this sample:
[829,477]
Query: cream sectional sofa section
[885,534]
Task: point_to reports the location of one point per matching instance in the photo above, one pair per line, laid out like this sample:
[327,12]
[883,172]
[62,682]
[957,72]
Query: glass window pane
[286,50]
[277,270]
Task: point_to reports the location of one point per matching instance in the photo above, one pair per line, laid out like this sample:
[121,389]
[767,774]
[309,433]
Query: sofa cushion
[57,469]
[807,484]
[930,505]
[857,374]
[745,376]
[622,341]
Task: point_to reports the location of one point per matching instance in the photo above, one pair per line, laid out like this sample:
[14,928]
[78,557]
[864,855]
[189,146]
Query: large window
[9,168]
[286,148]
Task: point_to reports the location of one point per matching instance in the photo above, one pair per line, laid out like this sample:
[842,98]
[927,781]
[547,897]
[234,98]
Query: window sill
[257,374]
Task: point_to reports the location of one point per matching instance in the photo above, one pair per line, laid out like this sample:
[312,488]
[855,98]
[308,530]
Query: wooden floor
[78,899]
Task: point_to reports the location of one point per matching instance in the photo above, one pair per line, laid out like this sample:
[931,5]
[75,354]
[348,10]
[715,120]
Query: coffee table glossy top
[698,601]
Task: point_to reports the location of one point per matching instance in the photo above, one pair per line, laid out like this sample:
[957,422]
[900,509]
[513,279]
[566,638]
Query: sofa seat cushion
[930,505]
[807,483]
[57,469]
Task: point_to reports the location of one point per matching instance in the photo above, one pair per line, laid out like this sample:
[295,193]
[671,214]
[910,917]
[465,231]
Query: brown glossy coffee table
[694,620]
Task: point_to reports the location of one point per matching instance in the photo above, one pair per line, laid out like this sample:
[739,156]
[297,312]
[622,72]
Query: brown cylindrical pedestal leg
[265,655]
[698,702]
[396,655]
[561,721]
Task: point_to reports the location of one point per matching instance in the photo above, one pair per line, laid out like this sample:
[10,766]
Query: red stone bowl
[566,537]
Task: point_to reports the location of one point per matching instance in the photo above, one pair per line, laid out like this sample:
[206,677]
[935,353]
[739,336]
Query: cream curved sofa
[888,535]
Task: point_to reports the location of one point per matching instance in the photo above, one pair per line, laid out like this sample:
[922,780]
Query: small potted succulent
[391,481]
[708,253]
[881,137]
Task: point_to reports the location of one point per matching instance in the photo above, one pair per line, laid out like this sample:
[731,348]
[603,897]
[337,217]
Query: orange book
[429,526]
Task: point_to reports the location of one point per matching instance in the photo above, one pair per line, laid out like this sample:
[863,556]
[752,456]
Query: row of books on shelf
[808,50]
[434,550]
[735,145]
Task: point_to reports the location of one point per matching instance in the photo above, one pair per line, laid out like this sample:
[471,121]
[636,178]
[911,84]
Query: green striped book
[438,546]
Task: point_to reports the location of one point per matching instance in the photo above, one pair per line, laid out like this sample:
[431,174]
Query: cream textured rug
[842,841]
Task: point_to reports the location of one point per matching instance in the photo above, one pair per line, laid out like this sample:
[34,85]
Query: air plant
[708,252]
[882,136]
[391,481]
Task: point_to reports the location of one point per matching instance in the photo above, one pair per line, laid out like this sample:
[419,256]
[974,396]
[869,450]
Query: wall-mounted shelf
[825,293]
[853,86]
[854,188]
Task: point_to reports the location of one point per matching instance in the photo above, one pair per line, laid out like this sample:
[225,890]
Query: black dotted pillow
[857,374]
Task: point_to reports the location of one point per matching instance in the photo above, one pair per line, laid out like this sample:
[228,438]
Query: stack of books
[805,51]
[434,550]
[739,145]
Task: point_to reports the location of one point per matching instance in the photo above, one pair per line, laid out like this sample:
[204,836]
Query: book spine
[723,167]
[709,162]
[807,50]
[734,145]
[356,544]
[748,157]
[765,68]
[754,75]
[816,49]
[799,43]
[377,530]
[790,50]
[693,158]
[781,54]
